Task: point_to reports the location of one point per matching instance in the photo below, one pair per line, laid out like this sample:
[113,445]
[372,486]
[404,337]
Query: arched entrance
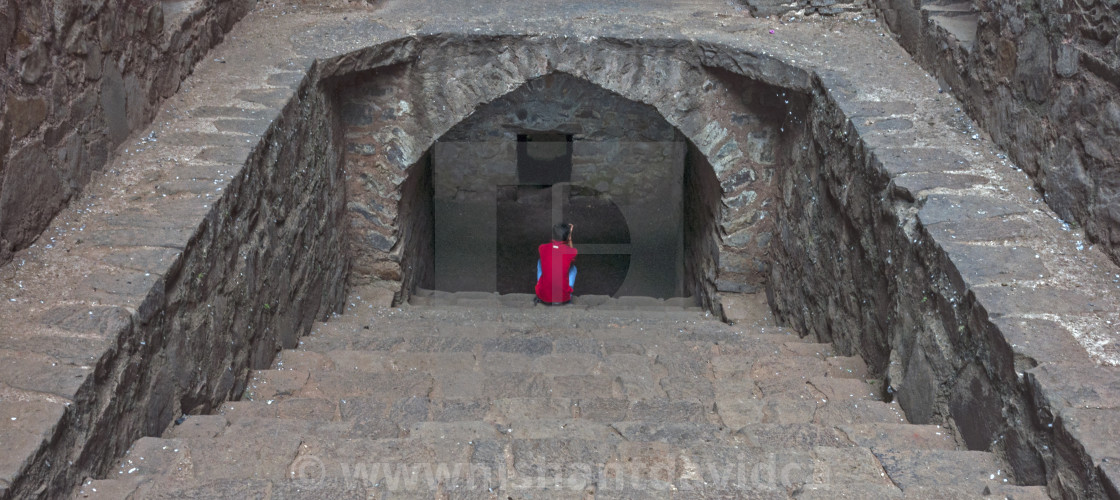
[686,153]
[560,149]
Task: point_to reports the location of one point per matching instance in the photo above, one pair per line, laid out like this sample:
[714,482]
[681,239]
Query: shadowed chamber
[557,150]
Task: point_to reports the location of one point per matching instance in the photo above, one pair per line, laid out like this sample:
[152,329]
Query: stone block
[25,114]
[197,426]
[246,127]
[959,208]
[912,469]
[172,238]
[133,285]
[368,416]
[982,230]
[549,458]
[270,384]
[1110,477]
[100,320]
[672,433]
[34,62]
[749,309]
[859,109]
[512,409]
[31,194]
[896,161]
[1039,341]
[976,407]
[793,436]
[737,410]
[664,410]
[25,425]
[1034,69]
[915,183]
[1058,386]
[1097,431]
[523,385]
[899,437]
[456,410]
[1003,265]
[225,155]
[114,101]
[1019,301]
[272,98]
[530,346]
[241,455]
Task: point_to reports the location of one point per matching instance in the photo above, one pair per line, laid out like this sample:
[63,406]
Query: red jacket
[556,257]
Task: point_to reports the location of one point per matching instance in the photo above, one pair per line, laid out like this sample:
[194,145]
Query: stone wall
[208,292]
[906,254]
[764,8]
[417,251]
[85,75]
[1043,79]
[702,206]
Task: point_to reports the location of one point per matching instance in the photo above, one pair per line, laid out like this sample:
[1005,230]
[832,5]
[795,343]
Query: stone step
[441,299]
[897,436]
[537,343]
[488,307]
[497,320]
[922,472]
[683,405]
[685,455]
[376,406]
[108,489]
[1013,492]
[678,375]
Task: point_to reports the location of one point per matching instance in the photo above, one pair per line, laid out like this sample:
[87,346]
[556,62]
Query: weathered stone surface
[69,67]
[114,102]
[833,262]
[1095,430]
[31,193]
[25,115]
[1018,301]
[908,160]
[945,208]
[1030,83]
[996,229]
[27,425]
[983,265]
[1076,386]
[1039,341]
[88,319]
[915,183]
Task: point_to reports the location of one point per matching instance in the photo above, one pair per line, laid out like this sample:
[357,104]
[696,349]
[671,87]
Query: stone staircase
[481,396]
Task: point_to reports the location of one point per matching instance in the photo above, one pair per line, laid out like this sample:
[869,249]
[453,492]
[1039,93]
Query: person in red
[555,273]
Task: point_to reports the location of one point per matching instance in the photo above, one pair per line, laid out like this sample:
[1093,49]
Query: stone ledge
[114,341]
[979,284]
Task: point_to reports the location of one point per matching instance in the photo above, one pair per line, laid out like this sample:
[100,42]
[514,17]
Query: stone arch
[397,99]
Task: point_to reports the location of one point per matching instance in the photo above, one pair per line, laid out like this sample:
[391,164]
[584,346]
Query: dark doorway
[525,218]
[544,159]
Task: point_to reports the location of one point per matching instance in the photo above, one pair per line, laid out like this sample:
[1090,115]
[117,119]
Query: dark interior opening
[558,149]
[544,158]
[525,218]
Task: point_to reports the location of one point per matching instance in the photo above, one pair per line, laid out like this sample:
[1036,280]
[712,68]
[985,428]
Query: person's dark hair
[561,231]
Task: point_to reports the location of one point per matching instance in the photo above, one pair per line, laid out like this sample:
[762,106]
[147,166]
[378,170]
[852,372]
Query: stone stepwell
[299,160]
[477,395]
